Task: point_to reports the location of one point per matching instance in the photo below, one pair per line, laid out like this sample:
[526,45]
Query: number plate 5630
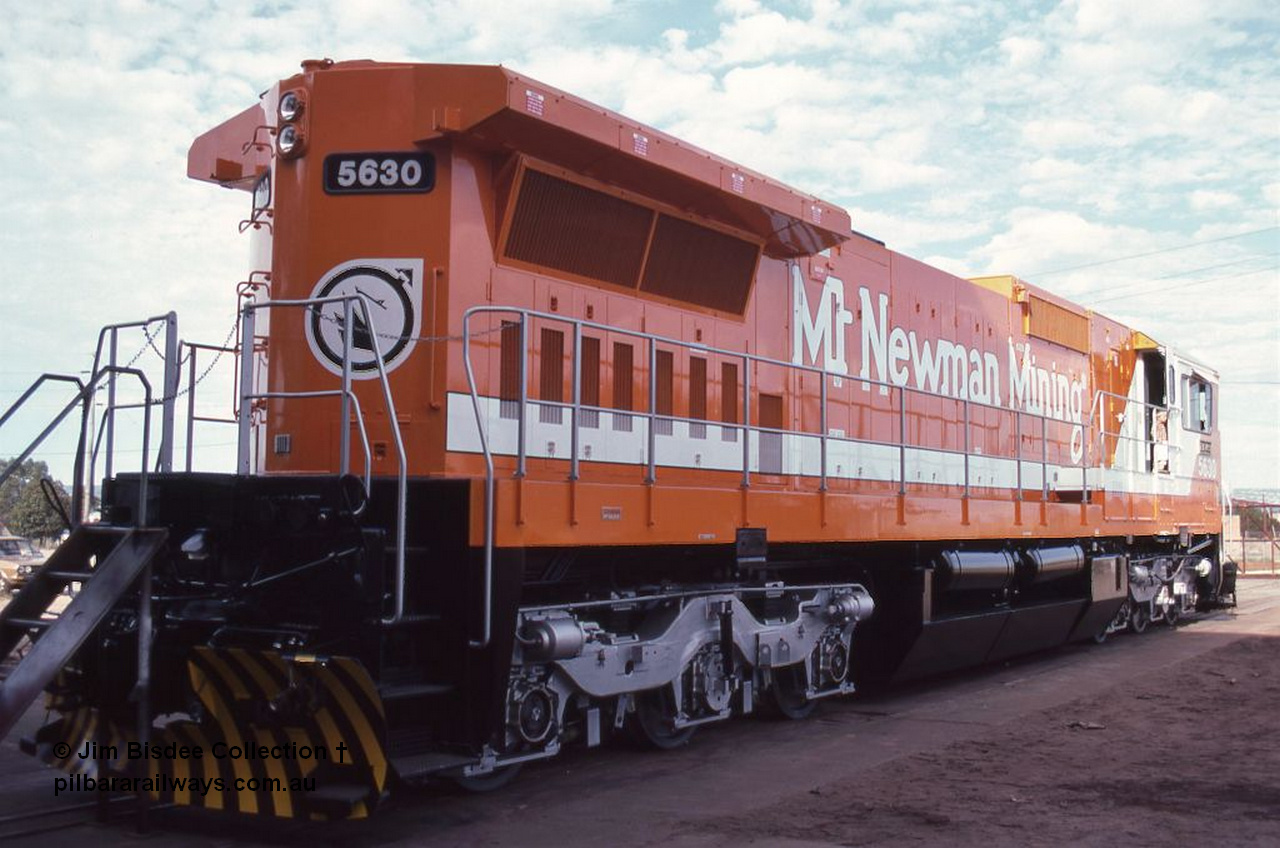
[379,173]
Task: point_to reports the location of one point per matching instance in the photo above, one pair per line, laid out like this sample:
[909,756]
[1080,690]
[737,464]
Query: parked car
[19,558]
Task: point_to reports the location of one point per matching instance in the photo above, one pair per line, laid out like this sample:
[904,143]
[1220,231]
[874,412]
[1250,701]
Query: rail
[53,425]
[354,401]
[348,302]
[576,407]
[83,398]
[1147,441]
[109,337]
[193,349]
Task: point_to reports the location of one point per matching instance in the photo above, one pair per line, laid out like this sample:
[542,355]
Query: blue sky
[986,137]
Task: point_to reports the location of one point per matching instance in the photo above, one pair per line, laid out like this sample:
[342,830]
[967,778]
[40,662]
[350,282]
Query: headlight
[290,106]
[289,140]
[1203,567]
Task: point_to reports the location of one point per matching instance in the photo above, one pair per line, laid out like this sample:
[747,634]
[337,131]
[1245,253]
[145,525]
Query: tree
[32,515]
[29,472]
[23,506]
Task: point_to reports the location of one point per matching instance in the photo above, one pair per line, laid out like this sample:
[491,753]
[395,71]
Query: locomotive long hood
[521,114]
[497,109]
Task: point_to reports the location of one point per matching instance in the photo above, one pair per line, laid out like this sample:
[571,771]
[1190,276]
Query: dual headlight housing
[291,139]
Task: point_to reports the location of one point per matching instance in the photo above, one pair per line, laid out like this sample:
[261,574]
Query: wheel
[655,713]
[789,695]
[1172,614]
[1140,619]
[1101,635]
[490,781]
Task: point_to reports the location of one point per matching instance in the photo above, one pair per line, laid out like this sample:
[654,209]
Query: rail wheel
[1140,619]
[1172,615]
[789,693]
[489,782]
[655,720]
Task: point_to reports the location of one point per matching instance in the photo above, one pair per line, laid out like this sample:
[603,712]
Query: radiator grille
[568,227]
[694,264]
[563,226]
[1053,323]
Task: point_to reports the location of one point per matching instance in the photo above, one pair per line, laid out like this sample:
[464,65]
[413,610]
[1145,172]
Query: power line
[1108,290]
[1183,286]
[1125,286]
[1150,253]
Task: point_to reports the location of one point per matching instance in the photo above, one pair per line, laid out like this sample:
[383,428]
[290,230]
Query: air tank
[970,570]
[1045,564]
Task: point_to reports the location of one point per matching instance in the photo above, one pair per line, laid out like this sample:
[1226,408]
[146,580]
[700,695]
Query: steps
[122,555]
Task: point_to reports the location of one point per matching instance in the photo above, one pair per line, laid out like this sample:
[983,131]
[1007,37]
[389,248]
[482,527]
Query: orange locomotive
[553,425]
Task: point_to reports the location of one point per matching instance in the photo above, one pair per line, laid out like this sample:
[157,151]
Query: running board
[56,639]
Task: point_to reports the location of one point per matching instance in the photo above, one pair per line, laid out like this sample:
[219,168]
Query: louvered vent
[695,264]
[572,228]
[563,226]
[1052,323]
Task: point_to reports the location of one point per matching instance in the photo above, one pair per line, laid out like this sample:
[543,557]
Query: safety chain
[150,343]
[333,319]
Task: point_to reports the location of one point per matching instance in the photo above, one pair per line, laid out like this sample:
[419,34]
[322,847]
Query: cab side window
[1197,404]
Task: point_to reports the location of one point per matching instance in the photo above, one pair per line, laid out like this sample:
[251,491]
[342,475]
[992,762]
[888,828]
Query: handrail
[168,398]
[1147,440]
[1088,458]
[82,398]
[747,358]
[192,382]
[348,301]
[745,355]
[141,518]
[487,618]
[355,402]
[17,404]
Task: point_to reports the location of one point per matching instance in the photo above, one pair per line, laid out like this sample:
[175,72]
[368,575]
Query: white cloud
[1051,168]
[1206,201]
[1022,52]
[1057,133]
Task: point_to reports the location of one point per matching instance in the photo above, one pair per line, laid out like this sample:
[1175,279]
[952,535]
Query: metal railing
[1148,441]
[248,395]
[108,344]
[193,349]
[84,398]
[521,318]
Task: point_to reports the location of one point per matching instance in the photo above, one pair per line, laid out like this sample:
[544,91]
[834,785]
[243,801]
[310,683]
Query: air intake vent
[572,228]
[694,264]
[1053,323]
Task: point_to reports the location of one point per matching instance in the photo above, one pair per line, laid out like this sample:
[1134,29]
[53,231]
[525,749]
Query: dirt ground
[1194,759]
[1166,738]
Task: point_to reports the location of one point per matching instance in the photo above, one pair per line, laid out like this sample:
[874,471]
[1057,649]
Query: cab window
[1197,404]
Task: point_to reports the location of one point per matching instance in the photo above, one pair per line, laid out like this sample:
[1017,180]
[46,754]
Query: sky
[1123,154]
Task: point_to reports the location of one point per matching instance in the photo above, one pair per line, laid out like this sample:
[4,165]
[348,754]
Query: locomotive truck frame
[554,427]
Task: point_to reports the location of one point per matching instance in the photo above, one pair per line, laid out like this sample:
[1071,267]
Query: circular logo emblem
[384,316]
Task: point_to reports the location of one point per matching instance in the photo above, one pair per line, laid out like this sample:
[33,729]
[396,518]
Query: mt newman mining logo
[941,366]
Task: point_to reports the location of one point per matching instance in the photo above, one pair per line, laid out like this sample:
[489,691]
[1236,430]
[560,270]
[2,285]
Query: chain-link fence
[1251,536]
